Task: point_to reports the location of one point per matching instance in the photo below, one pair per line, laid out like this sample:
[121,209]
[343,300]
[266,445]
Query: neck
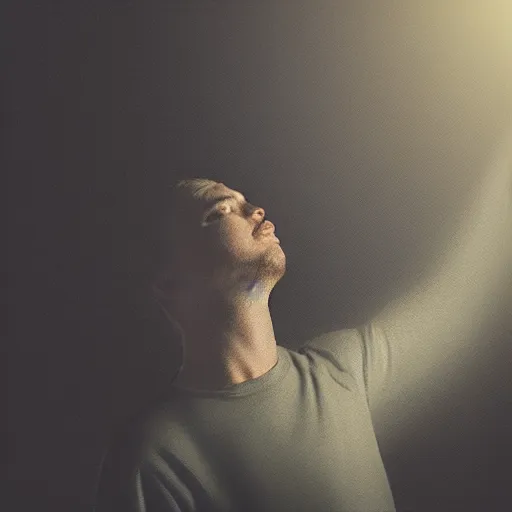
[226,340]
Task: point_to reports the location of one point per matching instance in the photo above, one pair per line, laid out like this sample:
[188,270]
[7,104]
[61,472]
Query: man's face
[220,240]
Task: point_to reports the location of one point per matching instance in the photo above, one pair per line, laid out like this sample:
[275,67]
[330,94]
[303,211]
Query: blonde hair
[196,187]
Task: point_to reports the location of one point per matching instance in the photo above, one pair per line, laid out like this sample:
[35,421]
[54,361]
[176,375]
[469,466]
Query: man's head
[216,247]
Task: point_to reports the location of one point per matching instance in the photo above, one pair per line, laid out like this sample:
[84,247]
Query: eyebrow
[213,202]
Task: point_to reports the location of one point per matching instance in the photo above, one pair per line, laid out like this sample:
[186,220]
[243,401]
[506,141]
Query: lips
[265,228]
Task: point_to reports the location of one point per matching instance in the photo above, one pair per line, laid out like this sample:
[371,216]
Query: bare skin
[226,272]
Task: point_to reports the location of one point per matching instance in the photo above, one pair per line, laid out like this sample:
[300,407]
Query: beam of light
[441,328]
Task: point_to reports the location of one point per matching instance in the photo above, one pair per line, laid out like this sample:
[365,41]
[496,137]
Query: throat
[218,374]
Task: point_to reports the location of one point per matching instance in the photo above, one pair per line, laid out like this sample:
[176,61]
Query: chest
[289,454]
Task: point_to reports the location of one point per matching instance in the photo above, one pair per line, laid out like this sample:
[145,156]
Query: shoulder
[342,348]
[362,352]
[129,440]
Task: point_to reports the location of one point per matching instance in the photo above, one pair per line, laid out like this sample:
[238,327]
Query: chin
[274,263]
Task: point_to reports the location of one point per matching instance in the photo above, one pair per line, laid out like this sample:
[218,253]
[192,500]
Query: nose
[258,215]
[252,210]
[259,211]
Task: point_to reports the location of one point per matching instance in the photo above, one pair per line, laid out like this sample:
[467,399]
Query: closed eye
[226,202]
[217,212]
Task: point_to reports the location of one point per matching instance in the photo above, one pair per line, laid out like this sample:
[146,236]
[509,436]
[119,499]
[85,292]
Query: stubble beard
[257,276]
[266,272]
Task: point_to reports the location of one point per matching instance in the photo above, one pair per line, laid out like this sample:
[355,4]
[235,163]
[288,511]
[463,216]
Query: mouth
[266,229]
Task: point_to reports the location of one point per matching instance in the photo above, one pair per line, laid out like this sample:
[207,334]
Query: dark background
[360,126]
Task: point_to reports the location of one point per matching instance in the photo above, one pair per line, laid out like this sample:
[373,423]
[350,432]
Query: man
[251,426]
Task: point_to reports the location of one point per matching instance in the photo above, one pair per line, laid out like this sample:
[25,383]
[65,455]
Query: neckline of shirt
[244,388]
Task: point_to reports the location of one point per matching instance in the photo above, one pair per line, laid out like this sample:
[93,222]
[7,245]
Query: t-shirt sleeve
[119,486]
[127,484]
[363,353]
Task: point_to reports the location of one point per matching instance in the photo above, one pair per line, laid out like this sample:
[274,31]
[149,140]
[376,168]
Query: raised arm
[441,322]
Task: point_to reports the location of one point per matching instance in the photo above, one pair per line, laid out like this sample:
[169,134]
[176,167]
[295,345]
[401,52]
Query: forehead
[208,197]
[196,204]
[214,192]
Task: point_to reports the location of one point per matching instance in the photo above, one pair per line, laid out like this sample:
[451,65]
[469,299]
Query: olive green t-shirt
[299,438]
